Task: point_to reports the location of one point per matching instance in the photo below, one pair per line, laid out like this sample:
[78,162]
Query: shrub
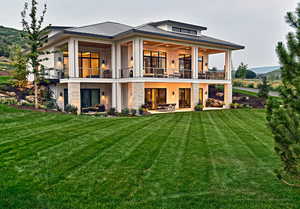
[235,105]
[198,107]
[237,83]
[112,111]
[51,104]
[133,112]
[8,101]
[101,108]
[141,111]
[125,112]
[71,109]
[250,85]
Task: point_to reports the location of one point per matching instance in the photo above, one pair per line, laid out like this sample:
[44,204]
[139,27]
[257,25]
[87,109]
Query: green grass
[4,79]
[206,160]
[244,92]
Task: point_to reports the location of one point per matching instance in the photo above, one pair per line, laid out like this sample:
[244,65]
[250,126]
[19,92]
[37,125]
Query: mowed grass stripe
[126,177]
[261,156]
[91,149]
[52,137]
[161,178]
[123,149]
[33,128]
[105,160]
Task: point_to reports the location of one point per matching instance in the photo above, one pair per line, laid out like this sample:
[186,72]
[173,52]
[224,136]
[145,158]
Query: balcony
[94,73]
[212,75]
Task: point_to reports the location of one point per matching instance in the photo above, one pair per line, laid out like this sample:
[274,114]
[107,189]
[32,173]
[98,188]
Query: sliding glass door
[184,98]
[90,97]
[155,97]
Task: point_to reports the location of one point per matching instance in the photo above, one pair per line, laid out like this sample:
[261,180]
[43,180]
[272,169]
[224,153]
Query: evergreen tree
[19,61]
[283,116]
[241,71]
[35,37]
[264,88]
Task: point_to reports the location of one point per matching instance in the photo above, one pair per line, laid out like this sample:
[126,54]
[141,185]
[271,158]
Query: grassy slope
[247,93]
[217,159]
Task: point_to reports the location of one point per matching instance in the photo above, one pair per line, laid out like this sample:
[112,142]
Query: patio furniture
[166,107]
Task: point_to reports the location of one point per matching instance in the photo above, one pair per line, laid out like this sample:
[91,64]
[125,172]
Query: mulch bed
[253,101]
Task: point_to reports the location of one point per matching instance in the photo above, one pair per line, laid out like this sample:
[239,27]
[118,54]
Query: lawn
[244,92]
[4,79]
[213,159]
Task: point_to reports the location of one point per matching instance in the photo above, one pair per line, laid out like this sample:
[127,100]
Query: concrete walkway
[271,93]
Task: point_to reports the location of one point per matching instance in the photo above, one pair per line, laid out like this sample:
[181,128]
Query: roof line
[182,38]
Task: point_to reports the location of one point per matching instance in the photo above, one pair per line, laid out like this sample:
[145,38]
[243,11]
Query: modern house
[120,66]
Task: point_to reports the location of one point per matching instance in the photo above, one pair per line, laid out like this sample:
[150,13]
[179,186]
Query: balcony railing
[212,75]
[94,73]
[159,73]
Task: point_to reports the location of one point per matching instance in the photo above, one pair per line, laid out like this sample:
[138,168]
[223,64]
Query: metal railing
[167,73]
[158,73]
[94,73]
[212,75]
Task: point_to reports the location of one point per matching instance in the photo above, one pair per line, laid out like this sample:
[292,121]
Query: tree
[250,74]
[264,88]
[283,115]
[241,71]
[34,37]
[19,62]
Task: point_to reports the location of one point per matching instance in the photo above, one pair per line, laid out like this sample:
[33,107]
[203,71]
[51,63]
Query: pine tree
[283,115]
[35,37]
[241,71]
[264,88]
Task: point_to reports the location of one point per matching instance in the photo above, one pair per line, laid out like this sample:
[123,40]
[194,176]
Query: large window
[184,30]
[155,97]
[90,97]
[154,60]
[89,64]
[65,64]
[185,62]
[184,98]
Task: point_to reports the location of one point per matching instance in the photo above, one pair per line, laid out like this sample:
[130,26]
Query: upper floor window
[185,62]
[184,30]
[155,59]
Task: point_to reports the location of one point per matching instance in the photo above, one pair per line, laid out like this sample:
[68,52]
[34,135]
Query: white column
[136,57]
[114,95]
[119,97]
[113,60]
[118,60]
[73,58]
[228,64]
[227,95]
[195,94]
[195,70]
[141,55]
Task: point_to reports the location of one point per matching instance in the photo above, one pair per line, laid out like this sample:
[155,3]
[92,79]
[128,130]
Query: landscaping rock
[30,98]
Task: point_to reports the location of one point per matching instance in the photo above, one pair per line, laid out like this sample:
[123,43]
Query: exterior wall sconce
[103,94]
[103,62]
[131,58]
[61,94]
[206,64]
[173,93]
[59,59]
[173,62]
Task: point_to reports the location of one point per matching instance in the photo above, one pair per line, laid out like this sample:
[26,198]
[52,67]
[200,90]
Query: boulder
[30,98]
[11,94]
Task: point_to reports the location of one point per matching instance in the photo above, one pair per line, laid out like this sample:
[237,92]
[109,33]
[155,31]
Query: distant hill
[8,37]
[264,70]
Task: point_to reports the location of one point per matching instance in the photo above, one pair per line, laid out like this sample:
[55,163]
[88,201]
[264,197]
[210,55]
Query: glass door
[201,95]
[155,97]
[90,97]
[184,98]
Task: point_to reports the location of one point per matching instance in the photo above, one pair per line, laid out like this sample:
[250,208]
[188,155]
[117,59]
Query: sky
[257,24]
